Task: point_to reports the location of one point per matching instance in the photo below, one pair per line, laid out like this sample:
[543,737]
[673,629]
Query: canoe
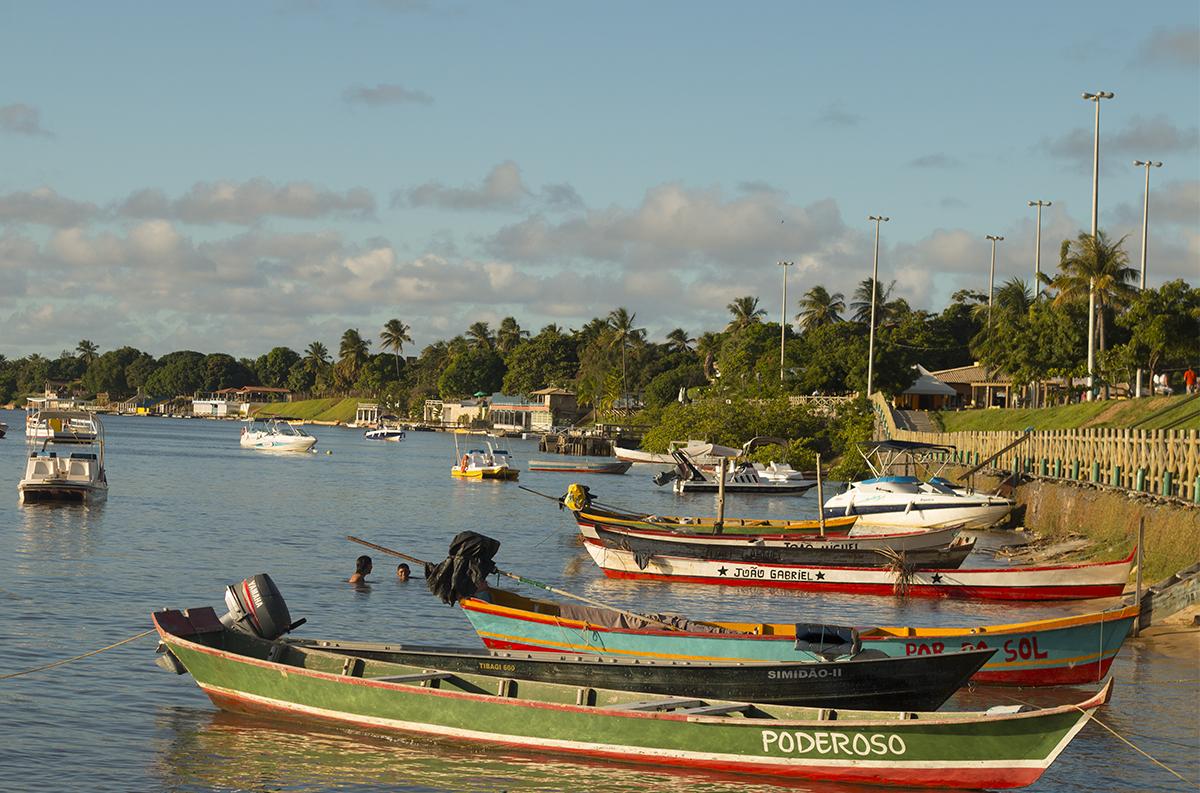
[704,543]
[1047,582]
[1003,747]
[576,467]
[1059,651]
[862,681]
[639,456]
[610,517]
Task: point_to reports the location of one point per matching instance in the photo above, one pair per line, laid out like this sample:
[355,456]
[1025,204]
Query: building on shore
[230,402]
[539,412]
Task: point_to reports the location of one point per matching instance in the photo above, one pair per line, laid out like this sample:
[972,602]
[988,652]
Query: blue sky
[233,176]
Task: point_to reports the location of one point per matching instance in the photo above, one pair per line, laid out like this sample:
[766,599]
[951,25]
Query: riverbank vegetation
[1164,412]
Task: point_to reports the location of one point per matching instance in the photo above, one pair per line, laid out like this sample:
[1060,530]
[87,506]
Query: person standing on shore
[1189,380]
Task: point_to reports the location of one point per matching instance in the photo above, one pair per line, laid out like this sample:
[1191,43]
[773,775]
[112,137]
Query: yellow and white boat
[489,463]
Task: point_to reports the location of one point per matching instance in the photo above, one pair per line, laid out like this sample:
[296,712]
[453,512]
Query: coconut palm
[707,347]
[620,324]
[394,337]
[88,351]
[745,312]
[1013,299]
[509,335]
[480,335]
[862,301]
[317,355]
[818,307]
[1089,263]
[678,341]
[352,353]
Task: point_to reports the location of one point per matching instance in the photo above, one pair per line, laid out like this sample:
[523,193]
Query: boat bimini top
[883,457]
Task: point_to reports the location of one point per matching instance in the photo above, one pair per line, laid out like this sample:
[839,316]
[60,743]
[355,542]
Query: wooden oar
[524,580]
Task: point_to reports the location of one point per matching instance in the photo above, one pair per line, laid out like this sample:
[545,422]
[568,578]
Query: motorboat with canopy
[68,464]
[276,434]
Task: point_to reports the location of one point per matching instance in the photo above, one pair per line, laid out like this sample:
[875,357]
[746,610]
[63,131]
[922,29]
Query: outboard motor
[257,608]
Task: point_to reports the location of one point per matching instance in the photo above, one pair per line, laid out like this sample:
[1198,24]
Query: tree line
[1030,332]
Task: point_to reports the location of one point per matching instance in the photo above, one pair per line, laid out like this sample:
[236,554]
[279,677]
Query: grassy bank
[336,409]
[1173,412]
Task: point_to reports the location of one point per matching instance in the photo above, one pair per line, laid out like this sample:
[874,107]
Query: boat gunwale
[752,536]
[964,717]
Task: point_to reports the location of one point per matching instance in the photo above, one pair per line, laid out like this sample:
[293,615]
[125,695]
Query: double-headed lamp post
[1091,358]
[783,323]
[1037,248]
[992,277]
[1147,164]
[874,294]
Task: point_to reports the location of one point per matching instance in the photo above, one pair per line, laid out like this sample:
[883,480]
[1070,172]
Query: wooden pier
[579,445]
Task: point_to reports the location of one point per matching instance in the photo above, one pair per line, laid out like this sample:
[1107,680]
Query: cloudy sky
[232,176]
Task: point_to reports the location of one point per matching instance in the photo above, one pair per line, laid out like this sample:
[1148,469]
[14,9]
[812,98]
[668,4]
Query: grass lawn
[1173,412]
[336,409]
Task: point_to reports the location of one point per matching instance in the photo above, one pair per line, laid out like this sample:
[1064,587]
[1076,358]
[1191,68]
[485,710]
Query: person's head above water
[362,567]
[402,572]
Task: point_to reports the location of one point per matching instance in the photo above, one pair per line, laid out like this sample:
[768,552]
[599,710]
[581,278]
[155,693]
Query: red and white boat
[1046,582]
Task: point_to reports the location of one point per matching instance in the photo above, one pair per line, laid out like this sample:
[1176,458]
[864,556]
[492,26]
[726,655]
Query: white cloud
[44,206]
[22,119]
[246,203]
[1178,47]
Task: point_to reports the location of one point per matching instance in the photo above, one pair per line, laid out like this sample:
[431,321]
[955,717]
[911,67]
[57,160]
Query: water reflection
[61,531]
[228,751]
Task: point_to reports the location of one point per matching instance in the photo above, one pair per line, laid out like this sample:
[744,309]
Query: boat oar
[529,581]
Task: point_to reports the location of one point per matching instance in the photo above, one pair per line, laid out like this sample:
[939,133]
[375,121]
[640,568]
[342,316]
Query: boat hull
[1062,651]
[1063,582]
[871,683]
[30,492]
[1002,750]
[272,444]
[929,515]
[500,474]
[580,468]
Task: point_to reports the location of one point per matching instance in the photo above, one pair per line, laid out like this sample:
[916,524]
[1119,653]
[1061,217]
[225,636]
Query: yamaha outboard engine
[257,608]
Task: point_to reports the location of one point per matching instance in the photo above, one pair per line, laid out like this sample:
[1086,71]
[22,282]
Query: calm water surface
[189,512]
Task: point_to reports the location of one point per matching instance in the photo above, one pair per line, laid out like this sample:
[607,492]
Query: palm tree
[317,355]
[620,323]
[862,301]
[818,307]
[480,335]
[706,347]
[88,351]
[509,335]
[678,341]
[352,353]
[1094,263]
[745,312]
[394,337]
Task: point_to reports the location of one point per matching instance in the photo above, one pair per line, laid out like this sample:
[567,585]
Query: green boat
[1004,747]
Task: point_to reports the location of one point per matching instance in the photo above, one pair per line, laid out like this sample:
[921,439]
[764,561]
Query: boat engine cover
[257,608]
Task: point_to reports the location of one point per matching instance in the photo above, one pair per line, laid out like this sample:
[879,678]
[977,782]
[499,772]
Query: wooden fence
[1163,462]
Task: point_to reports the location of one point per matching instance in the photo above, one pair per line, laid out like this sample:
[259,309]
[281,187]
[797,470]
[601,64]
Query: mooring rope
[76,658]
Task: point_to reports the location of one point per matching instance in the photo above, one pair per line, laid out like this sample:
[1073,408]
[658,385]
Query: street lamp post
[1091,358]
[874,294]
[1147,164]
[783,317]
[1037,248]
[992,278]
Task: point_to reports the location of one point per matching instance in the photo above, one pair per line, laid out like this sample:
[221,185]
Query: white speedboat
[276,435]
[489,463]
[909,502]
[394,434]
[67,467]
[689,478]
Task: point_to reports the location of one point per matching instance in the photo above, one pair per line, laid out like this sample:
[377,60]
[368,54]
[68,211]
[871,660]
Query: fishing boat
[580,467]
[865,680]
[905,500]
[68,465]
[932,549]
[611,517]
[275,435]
[1068,650]
[639,456]
[393,434]
[1048,582]
[238,662]
[489,463]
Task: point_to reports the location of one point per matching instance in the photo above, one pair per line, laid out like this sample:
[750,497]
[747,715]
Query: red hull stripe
[1079,592]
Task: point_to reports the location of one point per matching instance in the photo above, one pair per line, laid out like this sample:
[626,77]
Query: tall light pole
[783,317]
[1147,164]
[992,278]
[1037,248]
[1091,358]
[874,293]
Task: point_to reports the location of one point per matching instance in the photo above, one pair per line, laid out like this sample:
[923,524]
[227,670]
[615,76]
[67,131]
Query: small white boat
[909,502]
[276,435]
[689,478]
[67,467]
[489,463]
[44,419]
[394,434]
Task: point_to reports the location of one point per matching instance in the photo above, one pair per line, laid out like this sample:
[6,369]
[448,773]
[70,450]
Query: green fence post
[1075,469]
[1058,469]
[1140,480]
[1196,491]
[1116,476]
[1095,470]
[1167,489]
[1044,467]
